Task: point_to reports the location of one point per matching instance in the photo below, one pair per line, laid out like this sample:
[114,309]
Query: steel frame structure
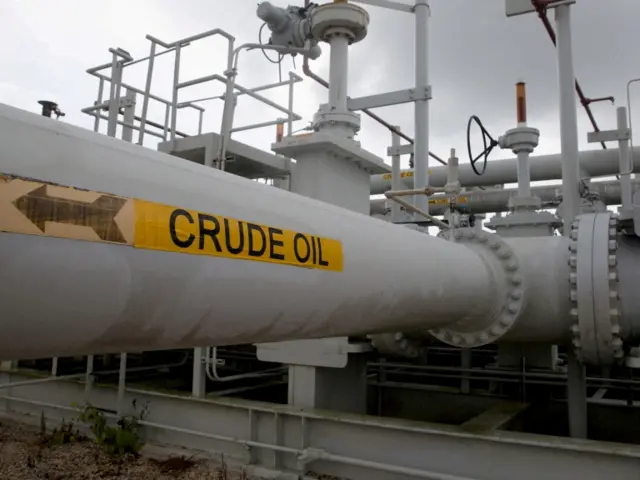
[291,441]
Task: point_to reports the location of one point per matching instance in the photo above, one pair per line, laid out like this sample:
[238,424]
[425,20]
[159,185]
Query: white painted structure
[525,288]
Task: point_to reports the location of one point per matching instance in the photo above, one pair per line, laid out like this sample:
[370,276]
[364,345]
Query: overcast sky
[476,56]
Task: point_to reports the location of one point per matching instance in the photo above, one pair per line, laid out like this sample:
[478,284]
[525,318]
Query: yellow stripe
[39,208]
[161,227]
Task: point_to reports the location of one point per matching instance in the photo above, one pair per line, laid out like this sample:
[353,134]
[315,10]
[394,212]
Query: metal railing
[117,104]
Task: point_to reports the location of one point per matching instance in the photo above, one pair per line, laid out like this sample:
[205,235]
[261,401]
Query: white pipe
[147,91]
[524,178]
[114,95]
[91,297]
[594,163]
[421,142]
[122,382]
[624,160]
[489,201]
[396,181]
[338,72]
[568,119]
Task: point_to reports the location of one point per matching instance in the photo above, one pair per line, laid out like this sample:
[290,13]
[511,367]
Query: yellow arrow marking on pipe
[34,207]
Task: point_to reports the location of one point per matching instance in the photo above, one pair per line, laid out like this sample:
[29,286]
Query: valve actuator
[290,27]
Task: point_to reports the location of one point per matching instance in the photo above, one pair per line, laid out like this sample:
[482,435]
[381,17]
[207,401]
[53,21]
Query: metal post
[524,178]
[174,100]
[122,378]
[396,178]
[227,121]
[465,362]
[200,121]
[96,121]
[568,119]
[147,91]
[88,378]
[421,145]
[292,82]
[54,367]
[524,175]
[624,160]
[338,73]
[198,385]
[129,116]
[114,95]
[576,396]
[167,113]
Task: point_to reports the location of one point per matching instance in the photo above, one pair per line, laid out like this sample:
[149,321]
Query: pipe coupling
[510,289]
[595,300]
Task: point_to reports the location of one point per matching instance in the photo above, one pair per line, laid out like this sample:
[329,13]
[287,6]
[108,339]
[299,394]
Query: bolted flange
[511,289]
[595,311]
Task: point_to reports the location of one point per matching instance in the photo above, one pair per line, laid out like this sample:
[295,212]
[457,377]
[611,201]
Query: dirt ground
[24,456]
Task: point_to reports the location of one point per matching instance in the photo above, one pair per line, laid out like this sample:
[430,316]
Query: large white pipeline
[157,253]
[64,296]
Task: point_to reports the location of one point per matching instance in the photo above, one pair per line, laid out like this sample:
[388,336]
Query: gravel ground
[24,457]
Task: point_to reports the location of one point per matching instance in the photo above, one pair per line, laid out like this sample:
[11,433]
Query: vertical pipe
[96,120]
[114,97]
[577,396]
[576,385]
[624,160]
[200,120]
[147,91]
[453,173]
[229,106]
[88,378]
[129,116]
[465,363]
[167,113]
[122,378]
[421,145]
[521,103]
[227,121]
[292,82]
[198,389]
[396,178]
[54,367]
[568,119]
[524,177]
[174,100]
[338,73]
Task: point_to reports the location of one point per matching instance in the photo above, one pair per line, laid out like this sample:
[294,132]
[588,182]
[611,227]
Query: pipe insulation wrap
[63,296]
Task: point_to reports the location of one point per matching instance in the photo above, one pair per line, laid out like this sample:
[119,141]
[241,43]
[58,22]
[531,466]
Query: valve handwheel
[488,142]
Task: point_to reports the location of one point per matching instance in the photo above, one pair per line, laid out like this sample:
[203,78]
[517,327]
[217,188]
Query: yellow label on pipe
[161,227]
[39,208]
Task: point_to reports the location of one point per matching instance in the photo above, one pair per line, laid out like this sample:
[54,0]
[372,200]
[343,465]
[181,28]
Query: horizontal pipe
[489,201]
[193,38]
[269,123]
[595,163]
[262,88]
[66,296]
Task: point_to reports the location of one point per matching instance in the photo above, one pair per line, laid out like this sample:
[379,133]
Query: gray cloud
[476,56]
